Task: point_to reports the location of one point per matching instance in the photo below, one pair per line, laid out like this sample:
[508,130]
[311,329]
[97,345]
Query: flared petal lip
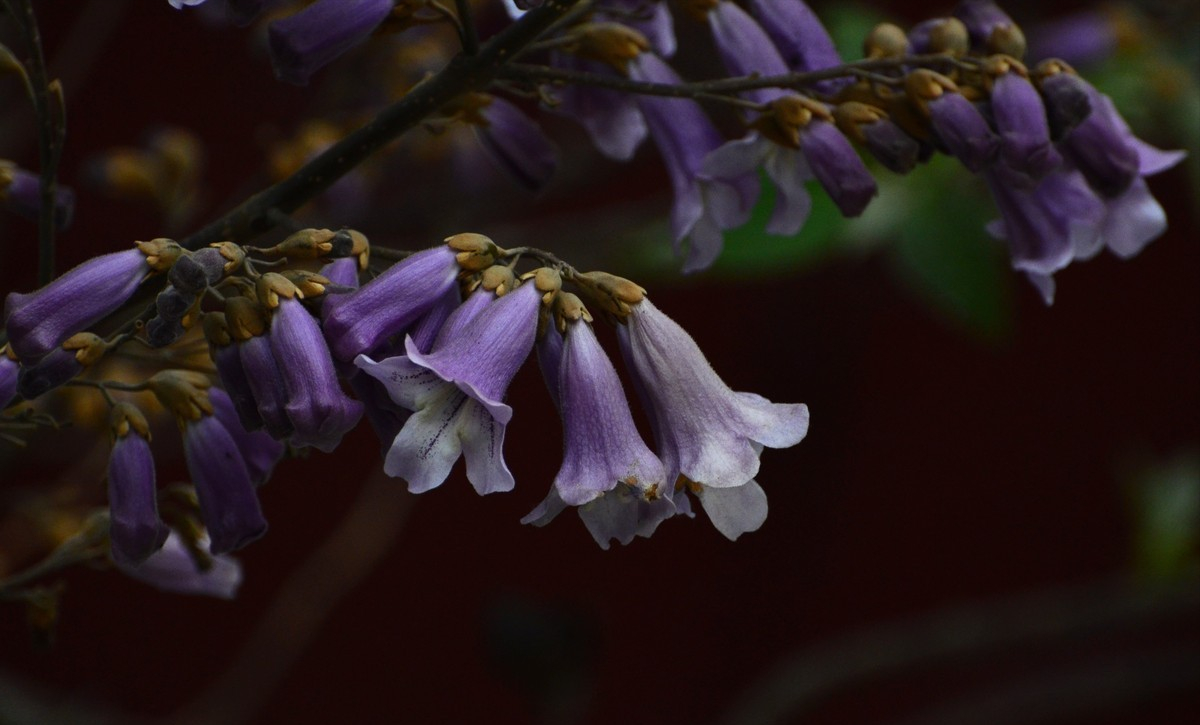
[500,411]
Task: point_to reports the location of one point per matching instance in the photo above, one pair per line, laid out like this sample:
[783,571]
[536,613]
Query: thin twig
[466,27]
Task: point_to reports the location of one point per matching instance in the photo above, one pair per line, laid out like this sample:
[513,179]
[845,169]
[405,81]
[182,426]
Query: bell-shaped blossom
[703,430]
[456,392]
[612,118]
[48,373]
[838,167]
[1067,99]
[262,375]
[21,193]
[303,43]
[517,144]
[1020,120]
[40,321]
[608,473]
[390,303]
[704,207]
[963,131]
[1045,225]
[260,452]
[744,48]
[135,530]
[320,413]
[891,146]
[228,503]
[174,569]
[799,36]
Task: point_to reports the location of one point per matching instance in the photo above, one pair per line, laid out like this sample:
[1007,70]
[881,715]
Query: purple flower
[390,303]
[9,370]
[261,372]
[319,411]
[40,321]
[611,118]
[745,48]
[342,273]
[305,42]
[21,193]
[135,530]
[733,511]
[228,503]
[260,452]
[1020,119]
[1104,149]
[517,144]
[800,37]
[173,569]
[48,373]
[962,130]
[704,207]
[607,468]
[456,392]
[837,166]
[785,167]
[990,28]
[703,430]
[1066,97]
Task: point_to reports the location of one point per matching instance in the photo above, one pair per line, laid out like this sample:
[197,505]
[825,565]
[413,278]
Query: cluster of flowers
[1065,170]
[429,347]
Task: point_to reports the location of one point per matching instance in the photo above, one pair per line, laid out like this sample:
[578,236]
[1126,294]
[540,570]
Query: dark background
[953,542]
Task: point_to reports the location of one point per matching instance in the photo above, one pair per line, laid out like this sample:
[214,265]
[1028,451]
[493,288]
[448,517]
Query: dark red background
[939,472]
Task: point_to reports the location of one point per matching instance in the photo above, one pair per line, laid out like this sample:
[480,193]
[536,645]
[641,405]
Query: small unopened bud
[885,40]
[611,293]
[244,318]
[88,347]
[785,116]
[304,244]
[309,284]
[940,35]
[216,329]
[546,280]
[923,85]
[183,392]
[160,253]
[475,251]
[233,253]
[271,286]
[499,279]
[569,308]
[124,419]
[613,44]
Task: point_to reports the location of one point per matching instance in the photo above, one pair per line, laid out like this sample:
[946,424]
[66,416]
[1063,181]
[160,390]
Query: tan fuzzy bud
[125,418]
[309,284]
[569,308]
[852,116]
[950,36]
[997,65]
[183,392]
[499,279]
[216,329]
[193,315]
[360,248]
[613,44]
[8,352]
[785,116]
[244,318]
[233,254]
[271,286]
[1007,39]
[611,293]
[885,41]
[304,244]
[923,85]
[160,253]
[475,251]
[88,347]
[545,279]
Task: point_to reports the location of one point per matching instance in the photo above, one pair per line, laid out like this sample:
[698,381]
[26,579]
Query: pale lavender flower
[745,48]
[517,144]
[319,411]
[181,4]
[1020,120]
[785,167]
[733,511]
[135,530]
[456,392]
[391,302]
[228,503]
[800,37]
[618,485]
[40,321]
[1107,153]
[704,207]
[173,569]
[703,430]
[260,452]
[305,42]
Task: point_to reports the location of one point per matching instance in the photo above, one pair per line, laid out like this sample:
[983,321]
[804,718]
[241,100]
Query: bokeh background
[993,518]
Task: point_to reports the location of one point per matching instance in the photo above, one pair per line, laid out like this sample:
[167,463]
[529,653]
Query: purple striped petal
[228,504]
[135,529]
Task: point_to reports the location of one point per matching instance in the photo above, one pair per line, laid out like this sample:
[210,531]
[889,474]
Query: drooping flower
[303,43]
[1020,119]
[456,391]
[40,321]
[516,143]
[173,568]
[704,207]
[135,530]
[957,124]
[800,37]
[990,28]
[21,193]
[703,430]
[612,118]
[389,303]
[608,472]
[733,511]
[744,47]
[320,413]
[260,452]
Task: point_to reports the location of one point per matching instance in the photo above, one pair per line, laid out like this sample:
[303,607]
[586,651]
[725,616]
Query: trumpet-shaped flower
[174,569]
[228,503]
[135,529]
